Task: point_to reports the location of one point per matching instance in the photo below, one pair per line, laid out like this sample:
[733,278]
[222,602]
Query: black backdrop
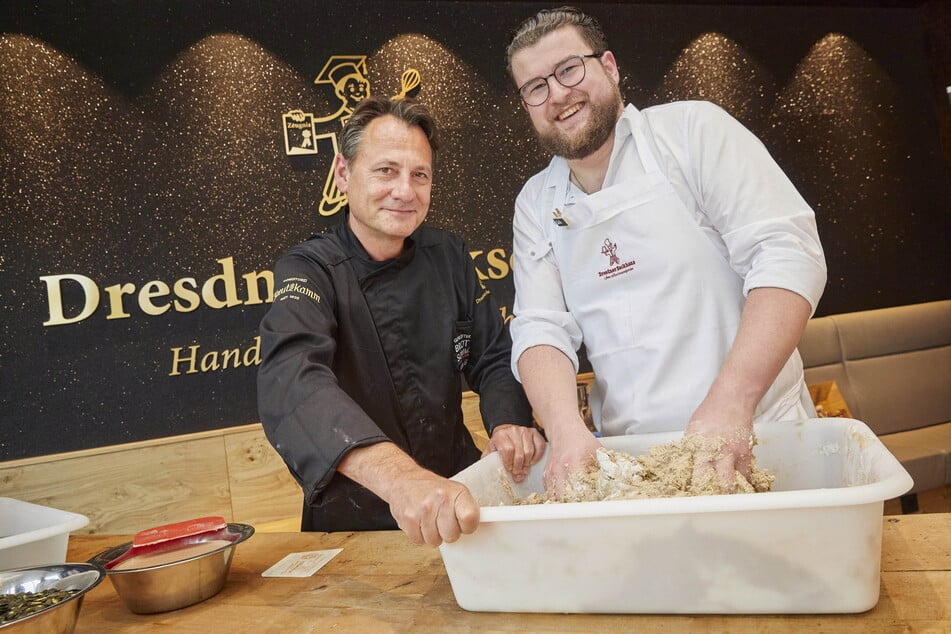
[141,143]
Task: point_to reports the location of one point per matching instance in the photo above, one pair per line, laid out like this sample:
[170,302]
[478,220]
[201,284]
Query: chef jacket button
[532,254]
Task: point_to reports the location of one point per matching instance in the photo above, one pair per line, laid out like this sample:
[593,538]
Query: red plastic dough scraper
[178,530]
[169,537]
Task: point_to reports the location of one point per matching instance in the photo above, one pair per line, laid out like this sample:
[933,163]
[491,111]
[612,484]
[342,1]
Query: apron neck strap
[645,152]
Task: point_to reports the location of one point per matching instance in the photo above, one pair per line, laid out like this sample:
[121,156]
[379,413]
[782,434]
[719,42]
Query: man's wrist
[563,427]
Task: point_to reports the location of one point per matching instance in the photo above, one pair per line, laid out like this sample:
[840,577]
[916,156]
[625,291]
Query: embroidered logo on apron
[615,266]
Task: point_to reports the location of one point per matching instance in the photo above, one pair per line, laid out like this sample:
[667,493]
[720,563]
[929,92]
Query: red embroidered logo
[615,266]
[610,249]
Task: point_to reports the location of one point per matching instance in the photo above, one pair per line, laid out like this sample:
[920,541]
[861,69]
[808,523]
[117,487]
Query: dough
[665,471]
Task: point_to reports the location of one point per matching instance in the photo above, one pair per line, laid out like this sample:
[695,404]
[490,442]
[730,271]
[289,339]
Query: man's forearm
[377,466]
[429,508]
[550,383]
[772,323]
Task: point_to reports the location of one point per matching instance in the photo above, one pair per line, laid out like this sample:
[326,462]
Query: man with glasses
[666,240]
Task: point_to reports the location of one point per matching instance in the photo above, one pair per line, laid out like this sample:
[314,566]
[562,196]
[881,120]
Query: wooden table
[383,583]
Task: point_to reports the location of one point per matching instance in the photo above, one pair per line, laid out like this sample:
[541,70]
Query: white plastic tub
[811,545]
[34,535]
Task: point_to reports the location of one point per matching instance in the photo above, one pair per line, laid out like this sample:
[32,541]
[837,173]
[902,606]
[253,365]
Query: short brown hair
[410,112]
[548,20]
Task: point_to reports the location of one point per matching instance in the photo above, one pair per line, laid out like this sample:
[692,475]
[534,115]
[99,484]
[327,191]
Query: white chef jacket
[651,272]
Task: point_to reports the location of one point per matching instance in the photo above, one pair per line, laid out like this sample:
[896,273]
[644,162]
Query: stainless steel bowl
[170,586]
[56,619]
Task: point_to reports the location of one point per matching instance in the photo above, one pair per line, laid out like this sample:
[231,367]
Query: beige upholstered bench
[893,367]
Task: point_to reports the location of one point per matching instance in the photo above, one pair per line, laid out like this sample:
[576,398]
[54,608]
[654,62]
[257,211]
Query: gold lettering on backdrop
[115,294]
[193,360]
[54,295]
[209,361]
[492,264]
[348,76]
[156,297]
[152,290]
[178,359]
[226,289]
[190,300]
[226,277]
[253,287]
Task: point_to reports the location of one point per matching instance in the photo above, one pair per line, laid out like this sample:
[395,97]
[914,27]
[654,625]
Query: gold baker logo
[347,74]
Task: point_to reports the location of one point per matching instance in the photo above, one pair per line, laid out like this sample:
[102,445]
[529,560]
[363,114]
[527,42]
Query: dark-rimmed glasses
[568,73]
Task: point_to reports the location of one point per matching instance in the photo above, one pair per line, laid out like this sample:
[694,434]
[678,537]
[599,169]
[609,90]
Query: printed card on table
[301,564]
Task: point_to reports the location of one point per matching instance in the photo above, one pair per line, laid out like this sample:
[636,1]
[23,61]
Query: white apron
[656,299]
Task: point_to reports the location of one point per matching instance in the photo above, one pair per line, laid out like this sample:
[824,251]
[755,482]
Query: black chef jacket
[356,352]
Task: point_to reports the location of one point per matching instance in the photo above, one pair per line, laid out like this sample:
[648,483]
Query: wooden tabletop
[383,583]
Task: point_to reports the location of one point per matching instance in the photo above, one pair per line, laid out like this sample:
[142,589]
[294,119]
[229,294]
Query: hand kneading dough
[665,471]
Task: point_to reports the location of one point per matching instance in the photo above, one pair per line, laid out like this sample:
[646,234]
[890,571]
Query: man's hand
[729,443]
[551,385]
[519,448]
[572,449]
[772,322]
[431,509]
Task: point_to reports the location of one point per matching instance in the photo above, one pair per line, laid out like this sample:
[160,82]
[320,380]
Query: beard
[583,142]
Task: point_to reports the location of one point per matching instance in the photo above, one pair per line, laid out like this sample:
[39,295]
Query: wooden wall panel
[262,489]
[232,472]
[126,490]
[473,419]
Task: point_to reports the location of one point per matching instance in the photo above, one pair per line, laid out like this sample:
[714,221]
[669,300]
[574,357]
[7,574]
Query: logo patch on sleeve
[295,288]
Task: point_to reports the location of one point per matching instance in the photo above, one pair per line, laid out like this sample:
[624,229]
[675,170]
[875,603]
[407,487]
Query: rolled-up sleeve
[541,316]
[768,229]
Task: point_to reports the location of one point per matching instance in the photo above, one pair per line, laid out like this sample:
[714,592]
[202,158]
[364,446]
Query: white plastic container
[811,545]
[34,535]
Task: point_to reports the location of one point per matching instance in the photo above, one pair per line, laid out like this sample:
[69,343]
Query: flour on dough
[665,471]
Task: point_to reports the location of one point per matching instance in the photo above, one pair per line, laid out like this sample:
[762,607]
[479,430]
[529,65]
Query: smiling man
[666,240]
[372,328]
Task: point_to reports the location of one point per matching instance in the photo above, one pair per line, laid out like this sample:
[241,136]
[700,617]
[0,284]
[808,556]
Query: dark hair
[548,20]
[410,112]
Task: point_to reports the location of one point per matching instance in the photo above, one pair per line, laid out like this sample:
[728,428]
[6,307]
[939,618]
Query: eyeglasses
[568,73]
